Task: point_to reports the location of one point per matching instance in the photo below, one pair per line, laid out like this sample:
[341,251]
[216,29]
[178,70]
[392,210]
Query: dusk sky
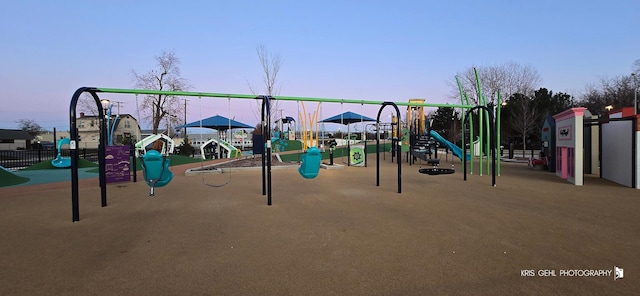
[361,50]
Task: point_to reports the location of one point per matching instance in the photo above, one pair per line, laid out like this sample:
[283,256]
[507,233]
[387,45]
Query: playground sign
[564,133]
[117,164]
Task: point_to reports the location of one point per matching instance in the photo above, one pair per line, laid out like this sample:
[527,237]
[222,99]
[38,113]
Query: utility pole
[281,123]
[118,105]
[635,94]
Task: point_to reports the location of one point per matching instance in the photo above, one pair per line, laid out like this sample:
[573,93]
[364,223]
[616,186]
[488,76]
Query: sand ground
[337,234]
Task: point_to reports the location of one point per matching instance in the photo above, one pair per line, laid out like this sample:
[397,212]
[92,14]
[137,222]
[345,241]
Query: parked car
[46,146]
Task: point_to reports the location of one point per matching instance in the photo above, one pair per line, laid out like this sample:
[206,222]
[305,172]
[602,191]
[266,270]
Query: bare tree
[88,105]
[617,92]
[30,126]
[159,108]
[270,64]
[522,116]
[509,78]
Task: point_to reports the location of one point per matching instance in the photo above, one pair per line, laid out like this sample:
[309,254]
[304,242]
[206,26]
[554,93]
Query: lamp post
[106,106]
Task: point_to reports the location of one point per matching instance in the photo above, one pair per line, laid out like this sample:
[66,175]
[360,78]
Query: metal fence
[19,159]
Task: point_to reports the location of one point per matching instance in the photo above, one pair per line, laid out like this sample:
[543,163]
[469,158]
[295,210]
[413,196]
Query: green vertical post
[481,117]
[498,131]
[471,146]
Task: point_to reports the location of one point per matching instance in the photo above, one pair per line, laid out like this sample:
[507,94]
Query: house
[46,139]
[125,130]
[47,136]
[14,139]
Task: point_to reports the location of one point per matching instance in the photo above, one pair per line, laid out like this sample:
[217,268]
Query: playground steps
[422,147]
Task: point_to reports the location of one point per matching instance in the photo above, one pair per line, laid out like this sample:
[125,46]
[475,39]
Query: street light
[609,108]
[105,105]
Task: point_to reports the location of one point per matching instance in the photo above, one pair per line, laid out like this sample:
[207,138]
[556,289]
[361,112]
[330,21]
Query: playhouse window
[570,162]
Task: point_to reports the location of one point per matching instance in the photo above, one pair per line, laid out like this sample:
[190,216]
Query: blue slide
[457,151]
[60,161]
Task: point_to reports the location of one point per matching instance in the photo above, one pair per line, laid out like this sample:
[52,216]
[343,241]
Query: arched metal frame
[74,155]
[492,140]
[398,150]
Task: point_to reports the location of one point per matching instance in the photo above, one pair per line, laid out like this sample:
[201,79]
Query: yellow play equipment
[415,116]
[309,124]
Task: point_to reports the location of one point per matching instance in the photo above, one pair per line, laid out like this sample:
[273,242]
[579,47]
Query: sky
[360,50]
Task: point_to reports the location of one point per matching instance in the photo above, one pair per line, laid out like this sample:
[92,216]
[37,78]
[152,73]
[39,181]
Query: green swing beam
[94,90]
[281,98]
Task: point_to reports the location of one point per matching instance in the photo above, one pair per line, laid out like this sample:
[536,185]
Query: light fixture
[105,104]
[609,108]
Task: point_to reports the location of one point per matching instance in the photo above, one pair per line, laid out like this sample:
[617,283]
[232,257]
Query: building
[620,147]
[46,139]
[126,130]
[14,139]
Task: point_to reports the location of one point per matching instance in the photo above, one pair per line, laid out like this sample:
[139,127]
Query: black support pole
[102,153]
[398,150]
[264,152]
[266,125]
[378,154]
[134,163]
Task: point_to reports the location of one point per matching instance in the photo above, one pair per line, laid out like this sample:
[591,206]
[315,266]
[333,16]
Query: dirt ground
[250,161]
[337,234]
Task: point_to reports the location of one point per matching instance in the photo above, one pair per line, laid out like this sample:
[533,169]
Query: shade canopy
[217,122]
[287,119]
[348,118]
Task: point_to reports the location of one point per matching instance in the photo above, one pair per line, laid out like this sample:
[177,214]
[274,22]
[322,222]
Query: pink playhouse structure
[619,153]
[569,145]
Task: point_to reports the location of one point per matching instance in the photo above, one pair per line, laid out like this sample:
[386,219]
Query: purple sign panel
[117,164]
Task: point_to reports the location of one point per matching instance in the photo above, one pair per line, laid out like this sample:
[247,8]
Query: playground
[338,233]
[409,222]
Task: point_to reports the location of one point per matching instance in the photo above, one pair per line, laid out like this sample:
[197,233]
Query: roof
[287,119]
[217,122]
[112,116]
[348,118]
[13,134]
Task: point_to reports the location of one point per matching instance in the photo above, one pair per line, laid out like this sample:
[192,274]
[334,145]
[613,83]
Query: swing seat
[310,163]
[155,169]
[436,171]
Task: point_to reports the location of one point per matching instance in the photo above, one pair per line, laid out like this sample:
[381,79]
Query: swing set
[156,166]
